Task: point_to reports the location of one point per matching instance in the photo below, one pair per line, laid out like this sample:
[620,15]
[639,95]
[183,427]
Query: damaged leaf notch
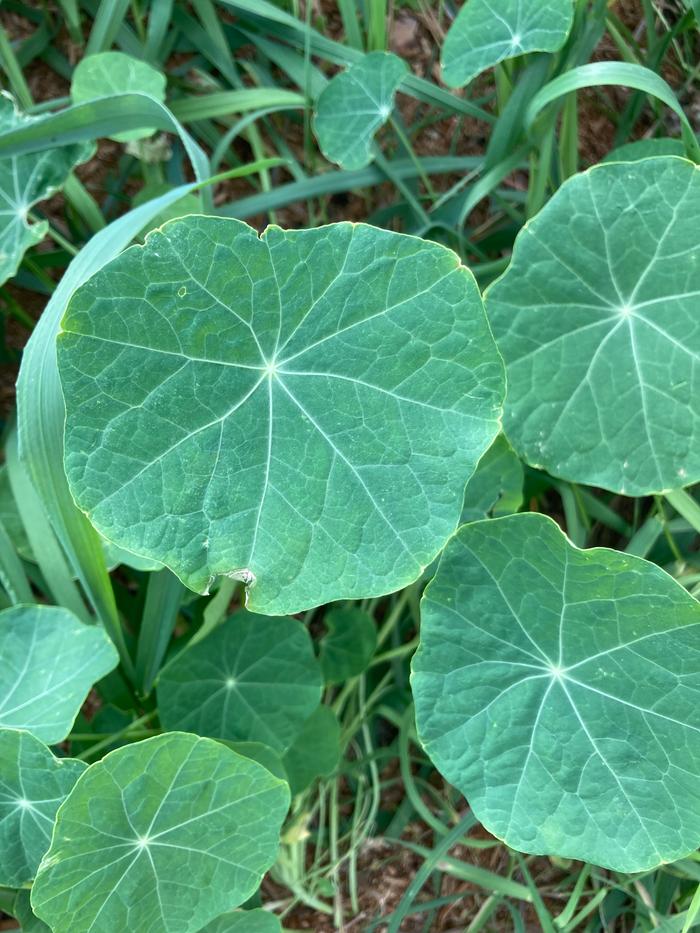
[304,407]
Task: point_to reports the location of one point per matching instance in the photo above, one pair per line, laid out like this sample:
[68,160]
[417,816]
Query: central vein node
[270,368]
[556,671]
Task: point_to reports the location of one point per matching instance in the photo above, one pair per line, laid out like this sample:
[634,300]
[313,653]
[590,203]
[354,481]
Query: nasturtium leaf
[299,410]
[162,835]
[598,320]
[252,679]
[33,784]
[496,488]
[315,752]
[487,32]
[354,105]
[263,754]
[25,180]
[559,690]
[245,921]
[349,644]
[646,149]
[106,73]
[49,662]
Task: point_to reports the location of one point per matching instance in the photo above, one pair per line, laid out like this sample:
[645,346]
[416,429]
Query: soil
[385,868]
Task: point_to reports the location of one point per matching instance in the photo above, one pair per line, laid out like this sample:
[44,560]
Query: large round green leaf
[24,180]
[354,105]
[107,73]
[245,921]
[299,410]
[33,784]
[598,319]
[559,690]
[315,751]
[253,679]
[49,662]
[486,32]
[160,836]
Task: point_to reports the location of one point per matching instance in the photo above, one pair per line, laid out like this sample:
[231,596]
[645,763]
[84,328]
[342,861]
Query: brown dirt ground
[385,869]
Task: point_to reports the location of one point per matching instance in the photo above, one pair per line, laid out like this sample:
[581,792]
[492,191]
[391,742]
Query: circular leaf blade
[33,784]
[49,662]
[251,680]
[162,835]
[354,105]
[25,180]
[106,73]
[348,645]
[559,690]
[229,397]
[485,33]
[597,320]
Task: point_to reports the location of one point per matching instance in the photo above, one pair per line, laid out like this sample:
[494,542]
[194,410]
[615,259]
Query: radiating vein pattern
[49,662]
[598,320]
[24,180]
[486,32]
[33,784]
[559,690]
[301,409]
[253,679]
[354,105]
[160,836]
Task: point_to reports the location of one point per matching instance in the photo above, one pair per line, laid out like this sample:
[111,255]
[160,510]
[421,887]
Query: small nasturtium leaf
[162,835]
[245,921]
[299,410]
[33,784]
[108,73]
[487,32]
[559,690]
[315,752]
[49,662]
[598,320]
[25,180]
[354,105]
[349,644]
[252,679]
[496,488]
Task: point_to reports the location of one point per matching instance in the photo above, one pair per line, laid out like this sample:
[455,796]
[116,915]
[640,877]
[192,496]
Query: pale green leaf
[245,921]
[49,662]
[348,645]
[354,105]
[263,754]
[486,32]
[33,784]
[160,836]
[597,319]
[252,679]
[559,690]
[315,752]
[25,180]
[107,73]
[229,396]
[496,488]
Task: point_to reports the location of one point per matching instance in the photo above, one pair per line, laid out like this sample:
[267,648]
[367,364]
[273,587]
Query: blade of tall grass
[45,547]
[228,103]
[109,17]
[281,24]
[13,579]
[615,73]
[163,598]
[41,416]
[333,182]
